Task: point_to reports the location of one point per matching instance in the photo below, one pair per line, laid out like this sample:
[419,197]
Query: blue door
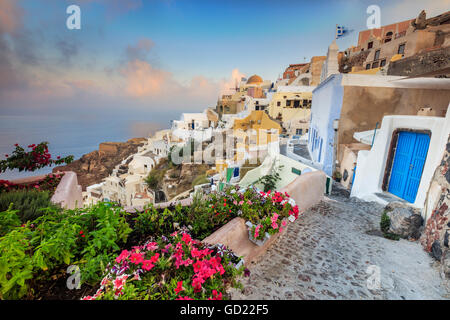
[409,159]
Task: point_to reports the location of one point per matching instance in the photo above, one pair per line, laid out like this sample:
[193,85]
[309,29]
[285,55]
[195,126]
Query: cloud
[10,16]
[141,50]
[145,81]
[227,86]
[410,9]
[67,49]
[115,8]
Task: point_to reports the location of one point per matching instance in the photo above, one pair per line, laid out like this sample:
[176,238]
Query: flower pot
[258,242]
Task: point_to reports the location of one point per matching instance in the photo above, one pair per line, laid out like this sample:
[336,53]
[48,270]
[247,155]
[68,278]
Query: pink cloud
[143,80]
[227,86]
[10,16]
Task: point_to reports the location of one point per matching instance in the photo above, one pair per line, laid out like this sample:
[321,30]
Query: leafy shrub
[270,180]
[87,237]
[174,267]
[8,221]
[28,204]
[156,222]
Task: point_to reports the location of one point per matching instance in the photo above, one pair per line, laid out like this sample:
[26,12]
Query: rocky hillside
[97,165]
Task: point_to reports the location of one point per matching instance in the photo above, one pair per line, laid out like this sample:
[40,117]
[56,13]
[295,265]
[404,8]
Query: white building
[406,152]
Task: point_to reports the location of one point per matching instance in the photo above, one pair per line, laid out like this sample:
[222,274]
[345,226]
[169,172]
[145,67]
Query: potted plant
[255,234]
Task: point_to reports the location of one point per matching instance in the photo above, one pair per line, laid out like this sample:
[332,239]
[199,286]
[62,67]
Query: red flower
[179,287]
[147,265]
[137,258]
[216,295]
[186,238]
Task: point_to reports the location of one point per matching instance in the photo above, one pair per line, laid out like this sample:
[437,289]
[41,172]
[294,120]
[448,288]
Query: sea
[68,135]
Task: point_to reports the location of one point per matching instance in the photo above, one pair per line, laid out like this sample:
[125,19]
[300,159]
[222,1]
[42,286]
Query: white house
[347,103]
[406,152]
[141,164]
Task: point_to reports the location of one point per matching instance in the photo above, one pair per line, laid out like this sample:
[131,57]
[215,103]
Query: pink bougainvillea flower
[274,225]
[179,287]
[284,223]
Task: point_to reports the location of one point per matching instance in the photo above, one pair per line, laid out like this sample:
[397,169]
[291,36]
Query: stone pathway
[333,251]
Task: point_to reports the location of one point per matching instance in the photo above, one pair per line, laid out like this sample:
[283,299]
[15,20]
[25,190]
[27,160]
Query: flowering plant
[49,183]
[267,211]
[38,157]
[175,267]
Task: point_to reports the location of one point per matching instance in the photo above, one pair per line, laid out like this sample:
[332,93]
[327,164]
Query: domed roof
[255,79]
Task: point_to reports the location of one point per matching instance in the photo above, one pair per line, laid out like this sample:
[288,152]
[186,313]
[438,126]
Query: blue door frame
[409,160]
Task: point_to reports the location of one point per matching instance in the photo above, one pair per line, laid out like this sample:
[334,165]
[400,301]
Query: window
[401,48]
[368,66]
[388,37]
[377,55]
[288,103]
[370,45]
[299,131]
[375,65]
[305,103]
[297,104]
[383,63]
[278,103]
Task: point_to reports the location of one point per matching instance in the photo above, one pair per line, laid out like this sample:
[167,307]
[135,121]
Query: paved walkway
[333,250]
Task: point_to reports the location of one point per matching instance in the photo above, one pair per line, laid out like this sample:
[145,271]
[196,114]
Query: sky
[158,58]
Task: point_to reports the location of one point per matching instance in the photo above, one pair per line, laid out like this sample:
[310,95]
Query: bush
[156,222]
[42,249]
[28,204]
[8,221]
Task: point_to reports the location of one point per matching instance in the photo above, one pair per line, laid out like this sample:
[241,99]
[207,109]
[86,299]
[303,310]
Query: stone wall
[434,62]
[435,238]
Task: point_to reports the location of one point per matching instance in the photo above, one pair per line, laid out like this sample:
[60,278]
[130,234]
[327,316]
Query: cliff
[91,168]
